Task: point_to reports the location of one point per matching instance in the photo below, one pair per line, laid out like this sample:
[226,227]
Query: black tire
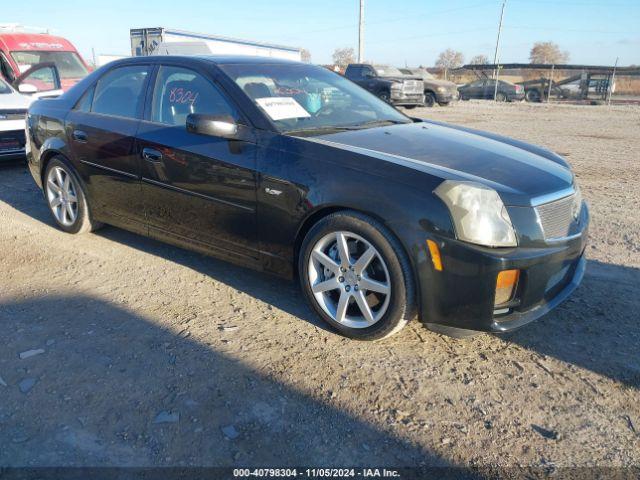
[83,222]
[402,303]
[464,97]
[443,104]
[429,99]
[533,95]
[501,97]
[410,107]
[384,96]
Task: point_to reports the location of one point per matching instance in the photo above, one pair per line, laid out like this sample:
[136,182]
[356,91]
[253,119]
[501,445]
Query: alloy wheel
[62,197]
[349,279]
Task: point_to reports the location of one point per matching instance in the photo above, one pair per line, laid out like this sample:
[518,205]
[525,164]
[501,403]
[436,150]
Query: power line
[561,29]
[395,39]
[386,21]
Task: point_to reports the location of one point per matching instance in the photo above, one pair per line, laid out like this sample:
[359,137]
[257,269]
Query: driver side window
[367,72]
[179,92]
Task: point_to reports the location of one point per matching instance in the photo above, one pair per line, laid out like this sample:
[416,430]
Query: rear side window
[121,92]
[180,91]
[353,72]
[84,105]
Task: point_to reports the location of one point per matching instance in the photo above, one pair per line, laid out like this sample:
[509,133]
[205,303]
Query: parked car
[13,110]
[292,169]
[20,51]
[437,91]
[388,84]
[485,89]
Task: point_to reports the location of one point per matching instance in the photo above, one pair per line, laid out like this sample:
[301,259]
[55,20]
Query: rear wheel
[463,96]
[356,276]
[66,199]
[501,97]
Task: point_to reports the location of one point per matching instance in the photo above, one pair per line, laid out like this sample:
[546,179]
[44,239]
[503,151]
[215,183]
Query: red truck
[20,52]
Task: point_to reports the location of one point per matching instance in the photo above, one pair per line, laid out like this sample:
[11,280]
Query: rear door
[489,88]
[475,89]
[197,189]
[102,129]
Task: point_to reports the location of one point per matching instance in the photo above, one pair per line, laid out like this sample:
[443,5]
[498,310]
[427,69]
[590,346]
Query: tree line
[541,52]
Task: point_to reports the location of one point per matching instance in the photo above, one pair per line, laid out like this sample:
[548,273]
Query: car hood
[14,101]
[400,78]
[522,174]
[440,83]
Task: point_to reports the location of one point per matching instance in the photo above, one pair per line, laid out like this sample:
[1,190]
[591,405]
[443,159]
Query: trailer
[166,41]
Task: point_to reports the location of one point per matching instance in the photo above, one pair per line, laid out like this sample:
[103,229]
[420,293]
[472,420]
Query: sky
[399,32]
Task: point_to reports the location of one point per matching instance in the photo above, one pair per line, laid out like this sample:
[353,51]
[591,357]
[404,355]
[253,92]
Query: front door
[197,189]
[101,131]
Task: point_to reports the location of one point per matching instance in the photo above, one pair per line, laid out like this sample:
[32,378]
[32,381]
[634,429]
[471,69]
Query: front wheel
[66,199]
[533,95]
[429,99]
[356,276]
[384,96]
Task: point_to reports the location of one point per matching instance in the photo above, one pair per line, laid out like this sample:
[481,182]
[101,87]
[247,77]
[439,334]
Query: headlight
[577,202]
[396,86]
[478,214]
[442,89]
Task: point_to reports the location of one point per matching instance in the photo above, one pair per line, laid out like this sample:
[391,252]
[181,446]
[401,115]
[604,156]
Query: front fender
[299,179]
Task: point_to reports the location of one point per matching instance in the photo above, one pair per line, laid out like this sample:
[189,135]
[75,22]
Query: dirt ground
[155,356]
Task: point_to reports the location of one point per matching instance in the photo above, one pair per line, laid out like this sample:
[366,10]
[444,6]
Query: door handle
[80,136]
[151,155]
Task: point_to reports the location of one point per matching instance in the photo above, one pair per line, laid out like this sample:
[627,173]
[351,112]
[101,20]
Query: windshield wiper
[344,128]
[373,123]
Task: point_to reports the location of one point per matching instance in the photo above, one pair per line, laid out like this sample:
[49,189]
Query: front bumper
[461,296]
[12,144]
[403,99]
[447,97]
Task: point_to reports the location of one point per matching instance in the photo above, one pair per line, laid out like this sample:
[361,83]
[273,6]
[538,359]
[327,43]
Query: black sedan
[291,169]
[486,89]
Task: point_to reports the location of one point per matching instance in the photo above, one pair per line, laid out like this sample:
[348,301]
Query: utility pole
[550,84]
[361,34]
[495,55]
[612,80]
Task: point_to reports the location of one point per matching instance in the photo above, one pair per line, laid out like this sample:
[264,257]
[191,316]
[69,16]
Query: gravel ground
[121,351]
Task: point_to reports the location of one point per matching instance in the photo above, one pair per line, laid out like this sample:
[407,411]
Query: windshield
[307,98]
[387,71]
[424,74]
[68,63]
[4,88]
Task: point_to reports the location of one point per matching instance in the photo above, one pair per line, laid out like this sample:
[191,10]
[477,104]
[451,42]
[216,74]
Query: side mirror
[27,88]
[213,125]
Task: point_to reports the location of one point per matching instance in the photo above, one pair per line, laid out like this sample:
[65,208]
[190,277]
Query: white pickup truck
[13,109]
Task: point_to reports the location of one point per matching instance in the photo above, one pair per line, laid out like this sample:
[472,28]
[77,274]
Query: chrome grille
[412,86]
[556,218]
[12,114]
